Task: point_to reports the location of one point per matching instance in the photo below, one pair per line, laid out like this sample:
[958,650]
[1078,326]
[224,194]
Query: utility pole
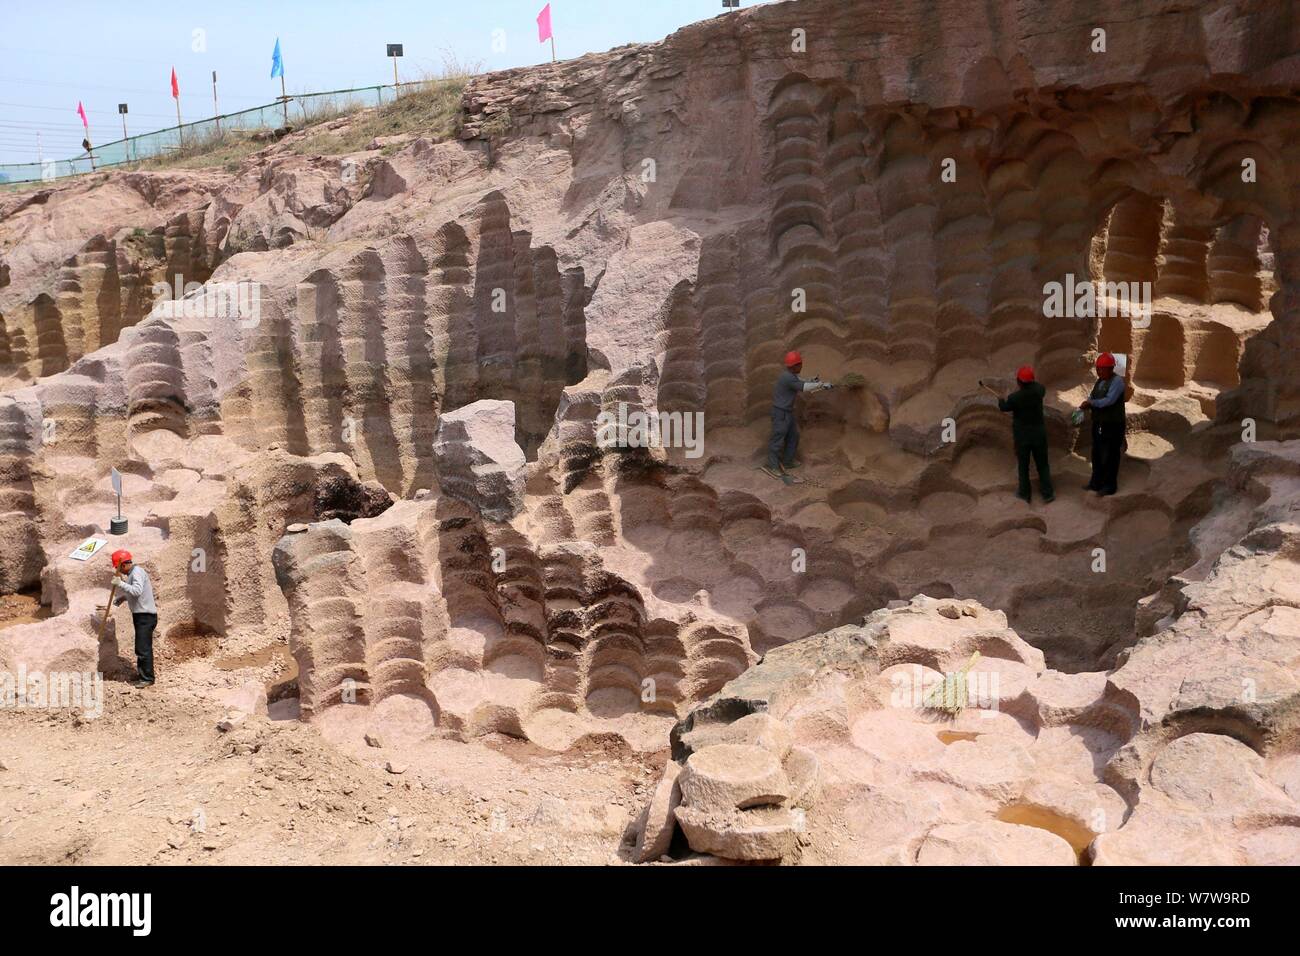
[40,156]
[215,112]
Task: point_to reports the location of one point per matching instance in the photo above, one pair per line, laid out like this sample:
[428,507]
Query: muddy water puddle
[1030,815]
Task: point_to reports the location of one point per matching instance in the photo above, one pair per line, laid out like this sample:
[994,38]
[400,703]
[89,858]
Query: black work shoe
[140,682]
[1025,498]
[1048,499]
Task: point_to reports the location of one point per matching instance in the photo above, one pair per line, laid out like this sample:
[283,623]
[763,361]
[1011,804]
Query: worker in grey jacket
[136,589]
[785,429]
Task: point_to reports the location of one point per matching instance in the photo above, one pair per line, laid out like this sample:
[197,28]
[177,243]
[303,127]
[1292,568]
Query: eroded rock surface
[1184,753]
[378,484]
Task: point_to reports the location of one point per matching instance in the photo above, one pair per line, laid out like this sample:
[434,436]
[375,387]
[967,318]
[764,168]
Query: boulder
[478,459]
[247,698]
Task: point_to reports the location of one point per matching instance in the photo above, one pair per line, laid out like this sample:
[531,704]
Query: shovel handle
[108,609]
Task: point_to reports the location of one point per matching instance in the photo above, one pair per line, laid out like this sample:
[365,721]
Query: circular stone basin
[736,597]
[785,621]
[826,594]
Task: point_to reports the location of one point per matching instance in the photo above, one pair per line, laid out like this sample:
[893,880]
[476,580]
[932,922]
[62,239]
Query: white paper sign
[88,549]
[117,480]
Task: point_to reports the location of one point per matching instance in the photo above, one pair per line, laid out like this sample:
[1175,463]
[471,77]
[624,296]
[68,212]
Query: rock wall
[658,225]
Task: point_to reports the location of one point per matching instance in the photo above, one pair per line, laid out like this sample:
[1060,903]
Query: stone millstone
[657,829]
[734,777]
[760,729]
[766,833]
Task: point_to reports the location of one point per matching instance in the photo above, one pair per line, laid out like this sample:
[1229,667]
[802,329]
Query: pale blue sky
[55,52]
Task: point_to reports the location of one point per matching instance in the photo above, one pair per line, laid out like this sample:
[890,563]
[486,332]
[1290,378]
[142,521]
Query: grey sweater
[138,592]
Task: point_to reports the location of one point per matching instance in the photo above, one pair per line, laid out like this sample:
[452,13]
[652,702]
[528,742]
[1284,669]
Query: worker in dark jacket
[1029,432]
[785,430]
[1106,404]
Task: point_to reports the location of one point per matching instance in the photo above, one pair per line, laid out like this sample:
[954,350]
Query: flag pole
[90,150]
[284,100]
[552,47]
[215,111]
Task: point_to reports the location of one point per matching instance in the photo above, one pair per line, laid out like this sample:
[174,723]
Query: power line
[73,111]
[39,126]
[111,89]
[58,137]
[79,55]
[29,141]
[60,134]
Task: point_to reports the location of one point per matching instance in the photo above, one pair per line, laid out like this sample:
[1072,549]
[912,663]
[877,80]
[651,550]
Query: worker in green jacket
[1028,432]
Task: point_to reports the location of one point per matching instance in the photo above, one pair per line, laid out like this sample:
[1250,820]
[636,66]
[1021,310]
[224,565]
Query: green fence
[298,110]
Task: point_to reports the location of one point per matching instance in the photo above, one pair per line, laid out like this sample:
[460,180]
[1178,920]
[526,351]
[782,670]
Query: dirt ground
[22,608]
[153,780]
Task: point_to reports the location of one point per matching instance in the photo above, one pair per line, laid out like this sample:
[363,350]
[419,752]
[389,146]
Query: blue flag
[277,64]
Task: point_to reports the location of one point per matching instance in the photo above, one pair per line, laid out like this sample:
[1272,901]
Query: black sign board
[394,49]
[121,107]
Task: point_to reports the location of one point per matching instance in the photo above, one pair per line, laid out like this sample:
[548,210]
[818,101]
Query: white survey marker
[88,549]
[116,477]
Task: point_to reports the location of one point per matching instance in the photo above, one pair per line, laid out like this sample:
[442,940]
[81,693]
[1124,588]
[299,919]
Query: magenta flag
[82,113]
[544,24]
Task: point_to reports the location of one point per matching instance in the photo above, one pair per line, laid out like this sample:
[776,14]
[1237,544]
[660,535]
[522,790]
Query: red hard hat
[1025,373]
[1105,360]
[792,359]
[120,556]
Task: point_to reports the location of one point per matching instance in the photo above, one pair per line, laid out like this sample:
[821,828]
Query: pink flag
[544,24]
[82,113]
[176,89]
